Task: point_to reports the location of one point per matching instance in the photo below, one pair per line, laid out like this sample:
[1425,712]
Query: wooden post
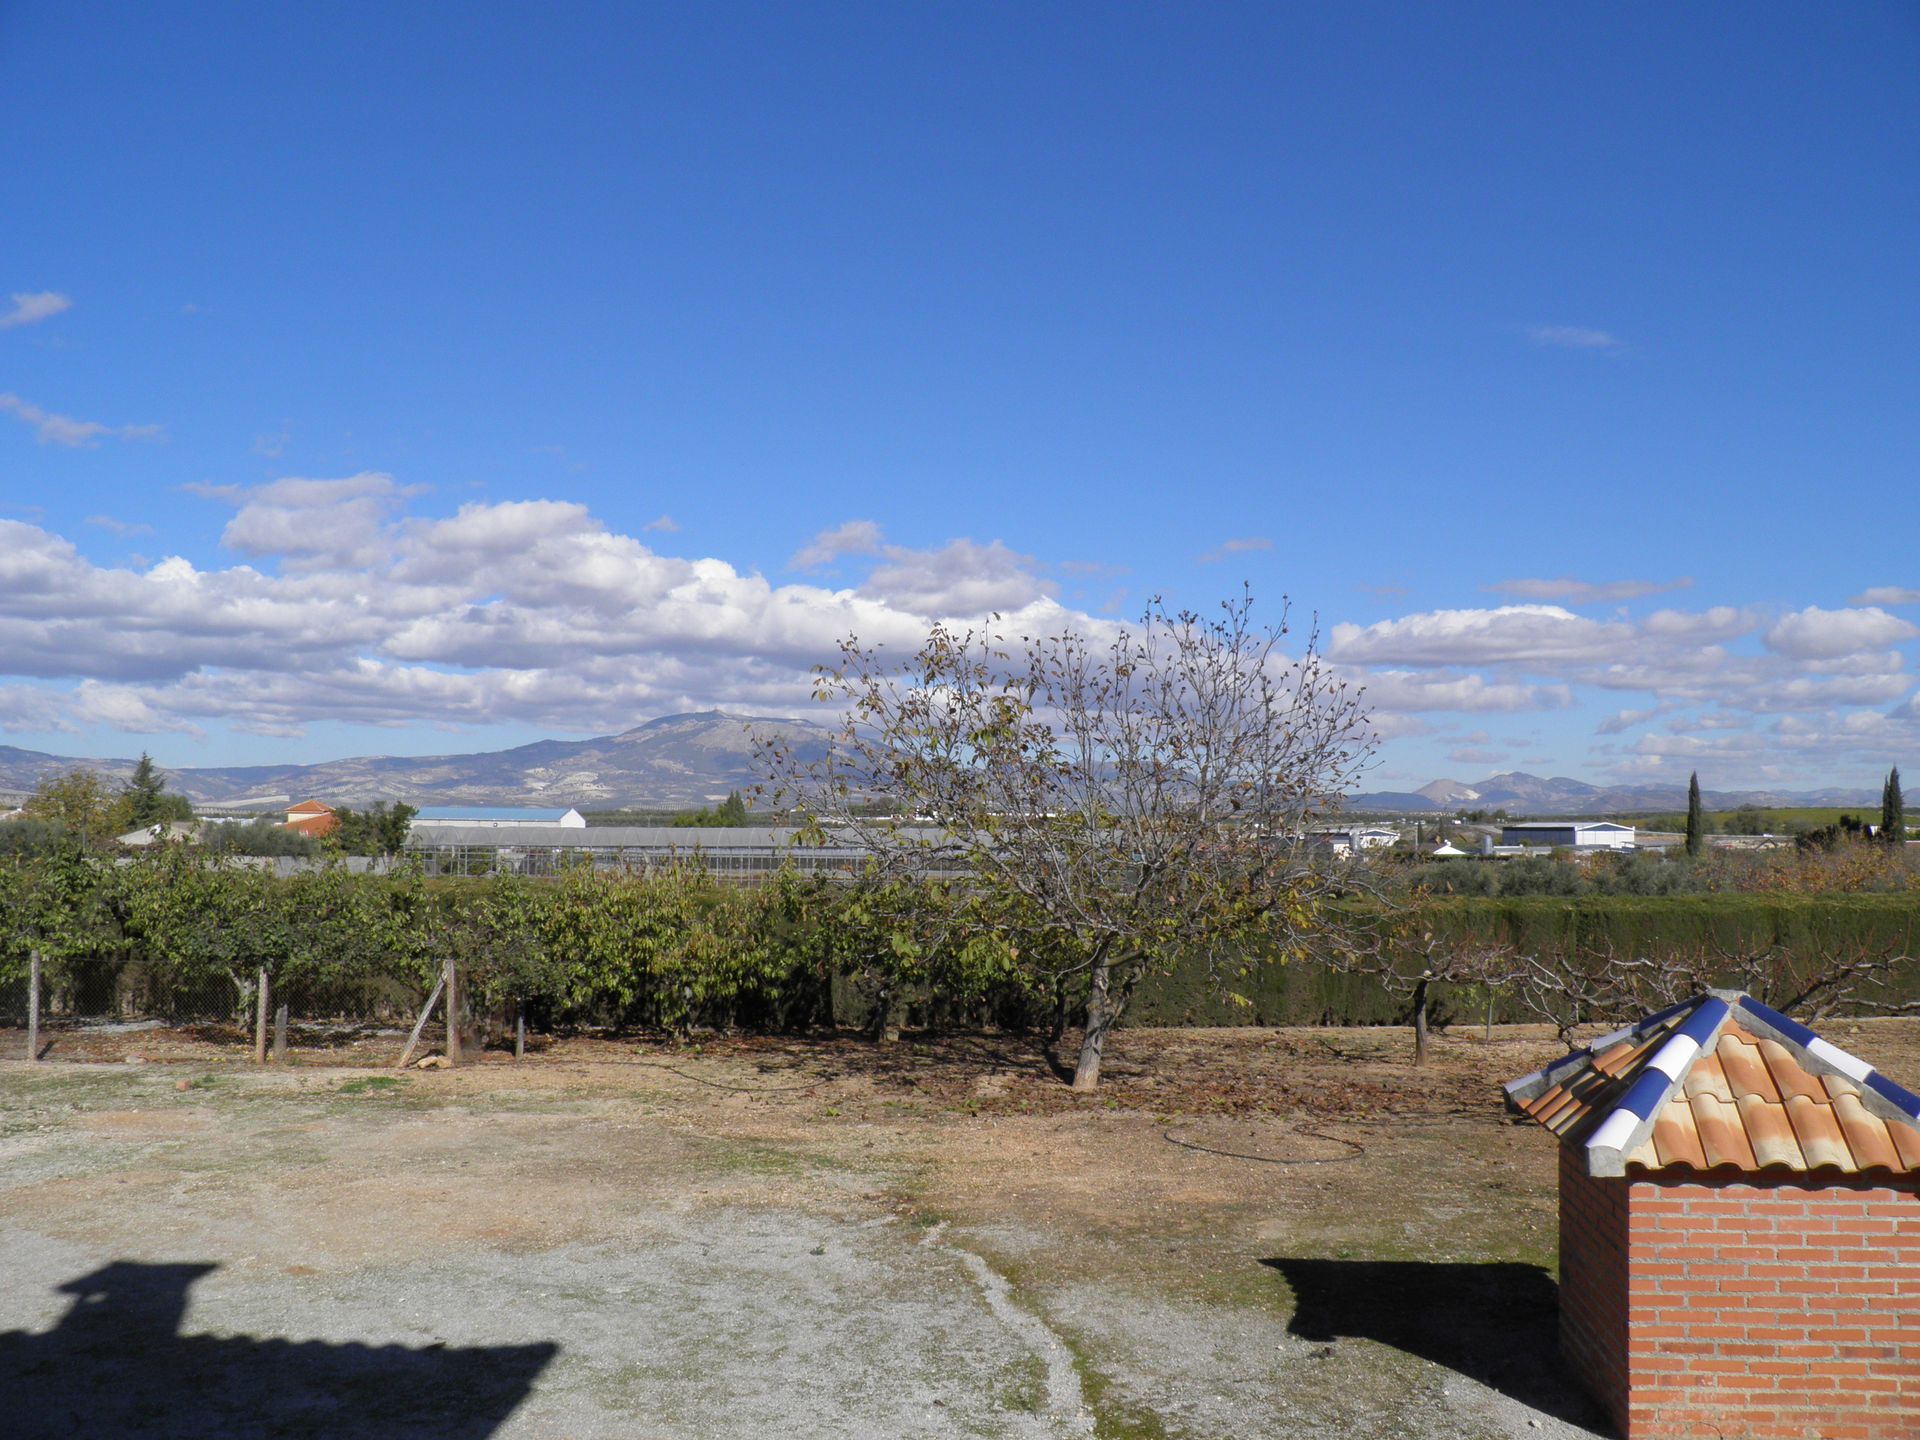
[453,1014]
[33,1006]
[421,1024]
[520,1030]
[280,1034]
[260,1020]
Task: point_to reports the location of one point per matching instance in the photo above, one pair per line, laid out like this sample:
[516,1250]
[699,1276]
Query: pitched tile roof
[1722,1080]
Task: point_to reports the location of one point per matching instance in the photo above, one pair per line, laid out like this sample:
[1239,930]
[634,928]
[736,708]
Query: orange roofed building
[313,819]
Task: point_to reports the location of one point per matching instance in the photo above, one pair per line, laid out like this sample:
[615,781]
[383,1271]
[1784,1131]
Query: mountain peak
[675,761]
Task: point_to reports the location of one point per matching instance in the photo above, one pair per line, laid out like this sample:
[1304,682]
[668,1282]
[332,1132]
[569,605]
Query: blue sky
[409,379]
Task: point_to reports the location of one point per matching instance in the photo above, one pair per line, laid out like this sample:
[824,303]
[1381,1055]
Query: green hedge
[1310,993]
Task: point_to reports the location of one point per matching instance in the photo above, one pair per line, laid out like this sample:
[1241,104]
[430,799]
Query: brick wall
[1757,1309]
[1593,1297]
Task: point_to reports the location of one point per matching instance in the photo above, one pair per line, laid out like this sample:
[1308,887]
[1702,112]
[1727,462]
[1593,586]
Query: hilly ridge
[691,760]
[1519,793]
[676,761]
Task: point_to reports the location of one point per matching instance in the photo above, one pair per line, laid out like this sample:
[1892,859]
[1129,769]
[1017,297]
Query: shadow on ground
[118,1365]
[1495,1323]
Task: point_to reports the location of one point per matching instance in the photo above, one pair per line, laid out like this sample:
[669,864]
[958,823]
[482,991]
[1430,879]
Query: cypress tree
[1893,810]
[1696,822]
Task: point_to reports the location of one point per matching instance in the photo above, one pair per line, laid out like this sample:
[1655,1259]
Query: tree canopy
[1108,804]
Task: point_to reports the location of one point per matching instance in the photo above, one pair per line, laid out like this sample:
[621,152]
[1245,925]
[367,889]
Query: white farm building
[1569,834]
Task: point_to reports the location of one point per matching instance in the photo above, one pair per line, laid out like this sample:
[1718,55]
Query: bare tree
[1109,803]
[1821,975]
[1416,962]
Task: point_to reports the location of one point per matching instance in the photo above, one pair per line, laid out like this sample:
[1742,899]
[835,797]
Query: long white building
[1569,834]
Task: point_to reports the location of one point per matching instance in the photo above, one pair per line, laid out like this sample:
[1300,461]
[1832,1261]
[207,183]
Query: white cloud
[1814,633]
[960,578]
[1624,720]
[1243,545]
[1404,690]
[1581,592]
[1574,337]
[665,524]
[341,601]
[855,537]
[1887,595]
[532,611]
[31,307]
[1508,635]
[310,522]
[52,429]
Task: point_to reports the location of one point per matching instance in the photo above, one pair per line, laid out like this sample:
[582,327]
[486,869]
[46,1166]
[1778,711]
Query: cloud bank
[341,600]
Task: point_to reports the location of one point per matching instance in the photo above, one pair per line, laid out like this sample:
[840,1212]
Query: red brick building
[1739,1228]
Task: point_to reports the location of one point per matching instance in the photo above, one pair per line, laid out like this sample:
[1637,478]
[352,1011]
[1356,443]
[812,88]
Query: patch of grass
[373,1085]
[1114,1416]
[1023,1386]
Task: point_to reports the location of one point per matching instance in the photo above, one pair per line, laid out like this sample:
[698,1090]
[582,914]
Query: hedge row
[1877,926]
[676,951]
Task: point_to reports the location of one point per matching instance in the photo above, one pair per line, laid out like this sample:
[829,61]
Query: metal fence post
[453,1014]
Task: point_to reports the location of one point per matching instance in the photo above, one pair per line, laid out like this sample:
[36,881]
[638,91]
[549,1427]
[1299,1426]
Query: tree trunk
[33,1007]
[1420,1021]
[260,994]
[883,1025]
[1101,1013]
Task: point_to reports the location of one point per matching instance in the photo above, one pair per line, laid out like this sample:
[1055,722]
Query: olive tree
[1109,802]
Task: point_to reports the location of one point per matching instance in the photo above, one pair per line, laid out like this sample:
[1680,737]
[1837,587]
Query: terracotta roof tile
[1724,1081]
[1838,1085]
[1817,1129]
[1770,1133]
[1675,1140]
[1723,1135]
[1906,1142]
[1707,1078]
[1788,1073]
[1866,1135]
[1745,1066]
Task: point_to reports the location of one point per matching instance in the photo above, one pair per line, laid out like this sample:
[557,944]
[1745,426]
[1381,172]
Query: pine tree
[146,795]
[1893,810]
[1696,822]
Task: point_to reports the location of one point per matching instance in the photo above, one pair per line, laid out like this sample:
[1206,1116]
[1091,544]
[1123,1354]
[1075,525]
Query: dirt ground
[1283,1233]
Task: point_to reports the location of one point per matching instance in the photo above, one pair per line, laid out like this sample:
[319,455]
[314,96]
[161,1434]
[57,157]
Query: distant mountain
[21,770]
[688,761]
[677,761]
[1521,794]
